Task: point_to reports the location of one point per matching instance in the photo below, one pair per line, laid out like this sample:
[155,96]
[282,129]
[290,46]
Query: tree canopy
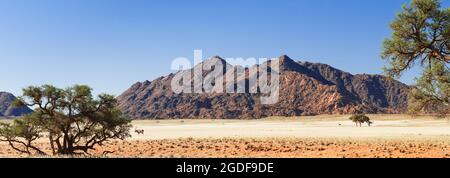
[421,36]
[359,119]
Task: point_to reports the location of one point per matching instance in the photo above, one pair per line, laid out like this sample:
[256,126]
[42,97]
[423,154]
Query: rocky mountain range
[305,89]
[6,108]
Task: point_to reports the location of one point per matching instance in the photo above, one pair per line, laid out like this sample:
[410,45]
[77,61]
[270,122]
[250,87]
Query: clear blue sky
[111,44]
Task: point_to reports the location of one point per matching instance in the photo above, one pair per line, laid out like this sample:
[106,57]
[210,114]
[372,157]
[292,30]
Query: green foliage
[73,120]
[421,35]
[432,91]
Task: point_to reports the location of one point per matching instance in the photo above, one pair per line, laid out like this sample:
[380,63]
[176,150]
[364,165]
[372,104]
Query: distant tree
[359,119]
[421,35]
[72,119]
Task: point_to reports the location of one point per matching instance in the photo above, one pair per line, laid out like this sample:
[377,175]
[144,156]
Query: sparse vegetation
[72,120]
[403,147]
[395,136]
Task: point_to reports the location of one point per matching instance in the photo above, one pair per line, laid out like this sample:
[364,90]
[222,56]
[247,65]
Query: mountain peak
[216,57]
[286,60]
[305,88]
[6,96]
[212,61]
[284,57]
[286,63]
[6,108]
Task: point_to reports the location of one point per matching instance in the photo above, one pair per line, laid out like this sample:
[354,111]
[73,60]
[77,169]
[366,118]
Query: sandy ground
[319,127]
[320,136]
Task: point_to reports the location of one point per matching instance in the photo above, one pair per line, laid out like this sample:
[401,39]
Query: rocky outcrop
[6,108]
[306,89]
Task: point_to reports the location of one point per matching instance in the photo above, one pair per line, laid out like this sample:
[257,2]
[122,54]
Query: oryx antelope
[139,131]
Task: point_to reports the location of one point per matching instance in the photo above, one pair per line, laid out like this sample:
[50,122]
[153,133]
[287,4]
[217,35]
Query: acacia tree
[421,36]
[359,119]
[72,119]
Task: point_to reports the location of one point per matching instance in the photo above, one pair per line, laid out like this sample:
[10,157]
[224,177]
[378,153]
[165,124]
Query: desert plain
[324,136]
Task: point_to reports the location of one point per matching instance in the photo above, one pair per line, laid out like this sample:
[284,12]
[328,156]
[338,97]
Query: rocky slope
[306,89]
[7,110]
